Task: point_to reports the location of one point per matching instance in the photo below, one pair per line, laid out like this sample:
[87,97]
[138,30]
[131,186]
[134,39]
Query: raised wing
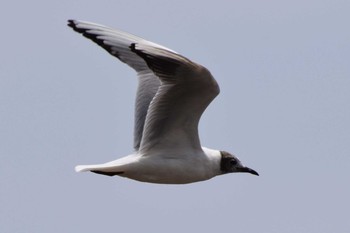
[118,43]
[173,92]
[186,90]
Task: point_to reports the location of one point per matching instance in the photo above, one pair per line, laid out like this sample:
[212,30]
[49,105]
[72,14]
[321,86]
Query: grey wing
[118,43]
[174,113]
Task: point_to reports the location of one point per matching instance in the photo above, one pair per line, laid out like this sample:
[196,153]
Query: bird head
[230,163]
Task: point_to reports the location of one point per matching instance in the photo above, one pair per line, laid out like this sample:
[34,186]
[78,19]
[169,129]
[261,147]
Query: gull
[172,94]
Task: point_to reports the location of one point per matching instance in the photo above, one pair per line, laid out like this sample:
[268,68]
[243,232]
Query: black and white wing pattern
[173,91]
[118,43]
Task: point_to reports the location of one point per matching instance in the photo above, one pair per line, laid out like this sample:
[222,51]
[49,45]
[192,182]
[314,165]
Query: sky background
[284,110]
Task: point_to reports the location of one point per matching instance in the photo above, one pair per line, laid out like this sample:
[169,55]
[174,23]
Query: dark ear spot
[226,158]
[233,162]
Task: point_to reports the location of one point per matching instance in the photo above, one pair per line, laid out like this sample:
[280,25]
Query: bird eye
[233,162]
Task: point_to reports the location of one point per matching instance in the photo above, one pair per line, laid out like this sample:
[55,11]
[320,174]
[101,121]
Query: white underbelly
[170,171]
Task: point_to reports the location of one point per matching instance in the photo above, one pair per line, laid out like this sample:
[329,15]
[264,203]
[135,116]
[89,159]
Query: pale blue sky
[284,109]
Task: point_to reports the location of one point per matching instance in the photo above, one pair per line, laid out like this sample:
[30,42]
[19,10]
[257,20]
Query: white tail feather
[83,168]
[113,166]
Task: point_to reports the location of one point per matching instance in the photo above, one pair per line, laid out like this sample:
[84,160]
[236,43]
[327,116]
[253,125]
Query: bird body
[172,94]
[169,168]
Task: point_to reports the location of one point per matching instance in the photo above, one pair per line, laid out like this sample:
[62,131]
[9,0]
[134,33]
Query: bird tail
[116,167]
[84,168]
[103,169]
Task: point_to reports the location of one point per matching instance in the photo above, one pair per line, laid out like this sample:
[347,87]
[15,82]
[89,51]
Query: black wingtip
[133,47]
[78,26]
[73,24]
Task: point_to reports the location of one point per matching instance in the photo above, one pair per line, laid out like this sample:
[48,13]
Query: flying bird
[172,94]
